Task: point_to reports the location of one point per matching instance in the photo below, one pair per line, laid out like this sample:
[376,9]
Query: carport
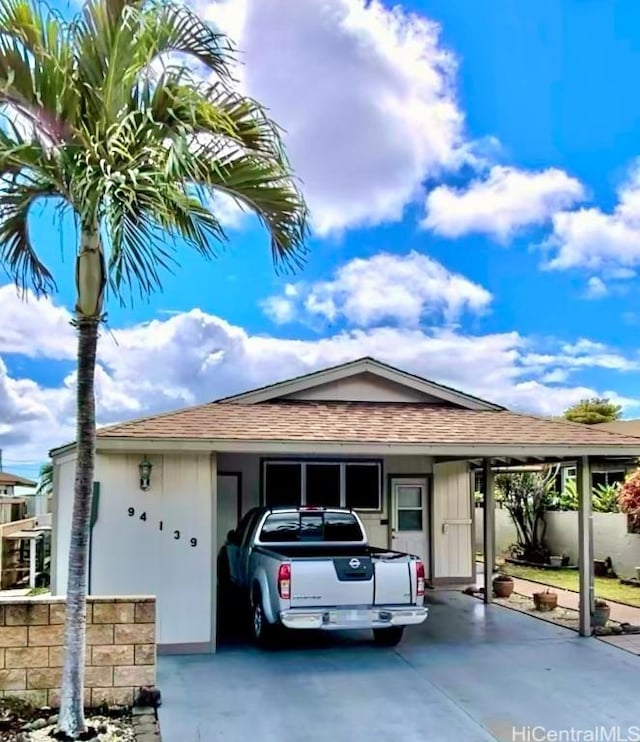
[471,672]
[583,466]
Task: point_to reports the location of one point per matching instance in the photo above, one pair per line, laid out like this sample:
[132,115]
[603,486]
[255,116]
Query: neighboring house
[9,482]
[24,543]
[397,448]
[626,427]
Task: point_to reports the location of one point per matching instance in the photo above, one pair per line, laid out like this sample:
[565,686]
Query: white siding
[131,555]
[363,388]
[63,479]
[452,521]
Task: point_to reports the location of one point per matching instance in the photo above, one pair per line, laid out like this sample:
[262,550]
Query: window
[607,478]
[323,485]
[362,484]
[409,507]
[603,478]
[351,484]
[295,527]
[341,527]
[283,527]
[283,484]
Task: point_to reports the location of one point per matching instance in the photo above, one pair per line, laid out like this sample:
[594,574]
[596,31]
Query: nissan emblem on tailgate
[354,563]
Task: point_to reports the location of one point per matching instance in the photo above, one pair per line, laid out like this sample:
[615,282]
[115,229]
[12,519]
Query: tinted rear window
[296,527]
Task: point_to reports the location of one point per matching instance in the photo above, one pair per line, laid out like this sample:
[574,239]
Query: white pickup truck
[311,568]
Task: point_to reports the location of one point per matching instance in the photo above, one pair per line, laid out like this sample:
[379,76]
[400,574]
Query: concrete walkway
[471,672]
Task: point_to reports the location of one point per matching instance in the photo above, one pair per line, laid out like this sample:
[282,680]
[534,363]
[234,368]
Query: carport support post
[489,527]
[585,545]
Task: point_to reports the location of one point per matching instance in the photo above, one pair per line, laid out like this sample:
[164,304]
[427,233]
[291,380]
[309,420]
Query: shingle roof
[362,422]
[8,478]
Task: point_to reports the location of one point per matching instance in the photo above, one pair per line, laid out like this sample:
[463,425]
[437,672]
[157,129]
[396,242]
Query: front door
[409,517]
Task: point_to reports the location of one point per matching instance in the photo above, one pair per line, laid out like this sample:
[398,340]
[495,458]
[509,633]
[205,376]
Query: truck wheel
[262,631]
[388,637]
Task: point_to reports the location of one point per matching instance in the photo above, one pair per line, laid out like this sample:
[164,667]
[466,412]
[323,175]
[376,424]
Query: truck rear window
[316,526]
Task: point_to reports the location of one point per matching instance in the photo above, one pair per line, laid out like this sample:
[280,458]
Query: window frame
[571,473]
[342,463]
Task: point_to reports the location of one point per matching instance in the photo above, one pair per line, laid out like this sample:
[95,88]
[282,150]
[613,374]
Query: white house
[397,448]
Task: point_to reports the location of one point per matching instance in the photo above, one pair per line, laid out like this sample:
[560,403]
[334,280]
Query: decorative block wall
[121,648]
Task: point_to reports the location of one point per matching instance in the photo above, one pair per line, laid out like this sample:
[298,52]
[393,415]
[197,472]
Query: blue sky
[472,172]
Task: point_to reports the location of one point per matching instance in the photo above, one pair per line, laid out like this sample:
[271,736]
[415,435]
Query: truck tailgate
[393,581]
[338,581]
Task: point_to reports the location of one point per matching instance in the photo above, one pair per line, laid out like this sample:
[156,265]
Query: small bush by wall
[121,648]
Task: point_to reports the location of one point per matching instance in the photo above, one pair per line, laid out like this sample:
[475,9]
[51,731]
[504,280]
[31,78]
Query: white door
[227,505]
[409,517]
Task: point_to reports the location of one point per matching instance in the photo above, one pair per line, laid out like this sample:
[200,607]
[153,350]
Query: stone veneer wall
[121,648]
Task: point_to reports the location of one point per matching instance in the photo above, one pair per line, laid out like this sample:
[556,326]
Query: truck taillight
[284,581]
[419,578]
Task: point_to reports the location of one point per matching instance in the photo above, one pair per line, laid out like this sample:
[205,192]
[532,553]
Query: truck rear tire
[262,632]
[388,637]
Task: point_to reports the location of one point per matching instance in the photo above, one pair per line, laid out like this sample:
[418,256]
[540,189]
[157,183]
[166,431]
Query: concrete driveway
[470,673]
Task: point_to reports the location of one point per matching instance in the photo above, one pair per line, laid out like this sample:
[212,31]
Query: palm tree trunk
[90,285]
[71,719]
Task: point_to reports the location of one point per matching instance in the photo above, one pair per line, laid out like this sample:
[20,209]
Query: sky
[473,174]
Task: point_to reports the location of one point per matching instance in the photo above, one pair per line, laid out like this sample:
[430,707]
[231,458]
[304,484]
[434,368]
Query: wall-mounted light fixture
[145,467]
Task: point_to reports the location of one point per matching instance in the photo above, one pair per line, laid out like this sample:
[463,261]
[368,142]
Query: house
[9,482]
[24,542]
[397,448]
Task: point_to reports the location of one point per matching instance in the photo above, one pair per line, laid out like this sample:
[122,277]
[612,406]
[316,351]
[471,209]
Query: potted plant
[556,561]
[546,600]
[601,613]
[502,586]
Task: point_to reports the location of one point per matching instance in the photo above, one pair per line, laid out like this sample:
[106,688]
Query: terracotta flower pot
[545,601]
[503,587]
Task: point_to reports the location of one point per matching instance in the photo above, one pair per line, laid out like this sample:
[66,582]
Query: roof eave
[301,447]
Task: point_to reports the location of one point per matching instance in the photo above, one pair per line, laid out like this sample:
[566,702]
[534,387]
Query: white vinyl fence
[610,537]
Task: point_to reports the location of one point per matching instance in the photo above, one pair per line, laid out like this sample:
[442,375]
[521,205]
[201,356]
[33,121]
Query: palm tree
[103,116]
[45,479]
[45,485]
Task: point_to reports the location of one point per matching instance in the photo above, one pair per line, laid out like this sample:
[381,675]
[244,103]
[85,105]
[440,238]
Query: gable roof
[427,425]
[267,420]
[273,392]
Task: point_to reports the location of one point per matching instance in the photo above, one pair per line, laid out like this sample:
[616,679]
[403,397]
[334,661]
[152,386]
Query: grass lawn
[567,579]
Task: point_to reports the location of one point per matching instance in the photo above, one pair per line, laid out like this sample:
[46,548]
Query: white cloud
[193,357]
[384,288]
[25,318]
[599,241]
[364,93]
[596,288]
[501,203]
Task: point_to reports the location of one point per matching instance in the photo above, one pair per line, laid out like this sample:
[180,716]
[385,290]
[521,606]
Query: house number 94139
[176,534]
